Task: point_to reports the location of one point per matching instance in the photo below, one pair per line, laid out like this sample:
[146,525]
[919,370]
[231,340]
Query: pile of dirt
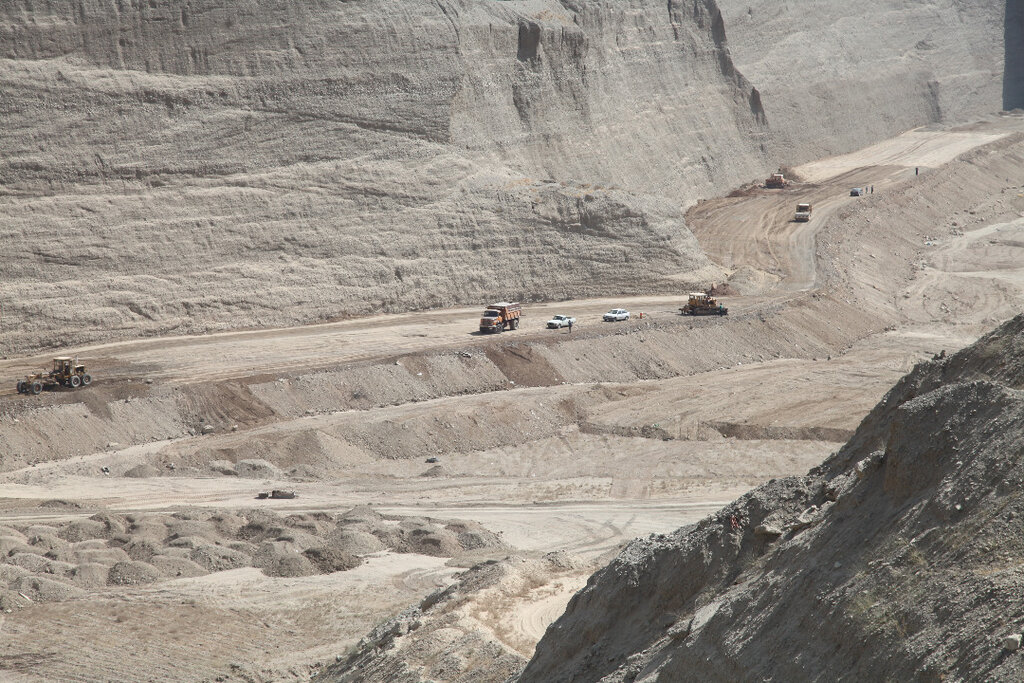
[458,633]
[139,549]
[898,558]
[143,471]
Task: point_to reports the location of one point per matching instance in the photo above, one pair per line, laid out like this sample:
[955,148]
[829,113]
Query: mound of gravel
[104,556]
[10,545]
[282,559]
[37,564]
[417,535]
[143,471]
[257,468]
[355,542]
[317,523]
[190,542]
[39,530]
[46,542]
[91,575]
[152,529]
[44,589]
[183,528]
[142,549]
[473,536]
[435,471]
[177,567]
[113,525]
[11,601]
[133,573]
[329,559]
[227,524]
[83,530]
[215,558]
[362,514]
[225,467]
[12,572]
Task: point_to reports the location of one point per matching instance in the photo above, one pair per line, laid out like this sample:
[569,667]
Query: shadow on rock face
[1013,68]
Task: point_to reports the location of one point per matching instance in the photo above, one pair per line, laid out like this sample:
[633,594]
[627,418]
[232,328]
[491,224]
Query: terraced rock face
[838,76]
[183,166]
[898,558]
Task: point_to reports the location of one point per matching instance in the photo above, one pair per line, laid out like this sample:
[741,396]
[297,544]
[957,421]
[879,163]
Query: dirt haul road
[757,232]
[562,484]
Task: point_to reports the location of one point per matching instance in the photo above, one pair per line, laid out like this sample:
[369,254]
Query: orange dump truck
[501,316]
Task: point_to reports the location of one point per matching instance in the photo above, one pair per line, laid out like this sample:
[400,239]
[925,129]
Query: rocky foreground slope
[173,166]
[899,558]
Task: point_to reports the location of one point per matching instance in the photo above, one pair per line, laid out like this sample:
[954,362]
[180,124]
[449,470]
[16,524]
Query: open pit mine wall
[198,165]
[631,93]
[836,76]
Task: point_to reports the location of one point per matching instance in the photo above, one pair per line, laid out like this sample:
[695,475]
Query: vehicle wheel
[86,379]
[37,388]
[21,387]
[75,381]
[515,324]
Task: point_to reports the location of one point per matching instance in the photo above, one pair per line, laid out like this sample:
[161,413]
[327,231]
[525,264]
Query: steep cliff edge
[899,558]
[839,76]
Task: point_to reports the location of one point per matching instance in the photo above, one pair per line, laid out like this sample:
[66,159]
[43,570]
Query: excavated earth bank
[898,558]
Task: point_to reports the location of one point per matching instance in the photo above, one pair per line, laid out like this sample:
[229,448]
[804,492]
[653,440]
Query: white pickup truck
[560,321]
[616,315]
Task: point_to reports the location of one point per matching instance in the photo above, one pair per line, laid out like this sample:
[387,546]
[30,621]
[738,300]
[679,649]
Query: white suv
[616,315]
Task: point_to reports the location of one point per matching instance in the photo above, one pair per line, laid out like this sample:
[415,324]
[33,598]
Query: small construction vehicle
[775,180]
[500,317]
[803,213]
[67,372]
[702,303]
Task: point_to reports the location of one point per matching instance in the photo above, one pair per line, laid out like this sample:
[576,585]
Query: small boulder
[768,531]
[1012,642]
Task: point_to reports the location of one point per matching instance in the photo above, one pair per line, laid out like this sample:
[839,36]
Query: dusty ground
[555,442]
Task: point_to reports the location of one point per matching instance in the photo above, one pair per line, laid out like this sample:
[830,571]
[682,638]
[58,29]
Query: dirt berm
[899,558]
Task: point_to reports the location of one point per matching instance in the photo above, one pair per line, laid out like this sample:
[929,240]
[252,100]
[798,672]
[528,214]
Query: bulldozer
[702,303]
[775,180]
[66,372]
